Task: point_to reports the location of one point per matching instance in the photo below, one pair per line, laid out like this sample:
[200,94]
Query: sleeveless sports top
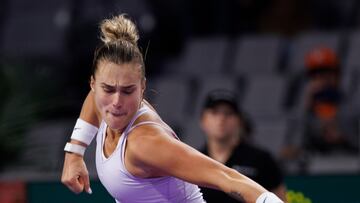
[125,187]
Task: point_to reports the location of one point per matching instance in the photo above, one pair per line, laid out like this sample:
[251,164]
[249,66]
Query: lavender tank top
[125,187]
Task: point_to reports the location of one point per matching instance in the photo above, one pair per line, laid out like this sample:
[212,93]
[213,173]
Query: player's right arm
[75,174]
[89,114]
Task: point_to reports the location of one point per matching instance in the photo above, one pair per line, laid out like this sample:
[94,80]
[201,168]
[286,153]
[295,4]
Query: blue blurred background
[254,47]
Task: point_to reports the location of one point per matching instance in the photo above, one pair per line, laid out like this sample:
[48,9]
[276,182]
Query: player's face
[118,90]
[220,122]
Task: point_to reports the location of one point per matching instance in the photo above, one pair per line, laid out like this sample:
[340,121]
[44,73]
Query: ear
[92,83]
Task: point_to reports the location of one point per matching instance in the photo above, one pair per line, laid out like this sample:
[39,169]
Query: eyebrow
[125,87]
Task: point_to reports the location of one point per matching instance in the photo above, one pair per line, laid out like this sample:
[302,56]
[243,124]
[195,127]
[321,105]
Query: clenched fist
[75,174]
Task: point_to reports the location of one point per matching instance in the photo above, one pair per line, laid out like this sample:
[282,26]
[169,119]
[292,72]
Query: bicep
[190,165]
[174,158]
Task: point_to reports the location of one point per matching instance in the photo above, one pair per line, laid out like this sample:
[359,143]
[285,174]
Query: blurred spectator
[226,132]
[324,129]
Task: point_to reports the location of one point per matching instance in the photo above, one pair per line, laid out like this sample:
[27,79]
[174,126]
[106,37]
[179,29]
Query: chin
[115,127]
[114,123]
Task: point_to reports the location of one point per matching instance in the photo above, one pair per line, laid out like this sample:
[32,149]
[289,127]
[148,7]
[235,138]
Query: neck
[113,133]
[221,150]
[111,141]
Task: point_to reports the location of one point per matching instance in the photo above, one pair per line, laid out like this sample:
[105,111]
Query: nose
[220,118]
[117,100]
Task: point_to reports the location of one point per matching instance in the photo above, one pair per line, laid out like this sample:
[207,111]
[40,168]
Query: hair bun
[119,28]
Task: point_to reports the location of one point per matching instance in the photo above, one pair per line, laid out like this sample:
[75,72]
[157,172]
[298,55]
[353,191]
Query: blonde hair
[119,28]
[119,37]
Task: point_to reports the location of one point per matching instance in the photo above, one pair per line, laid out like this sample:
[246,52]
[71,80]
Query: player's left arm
[152,147]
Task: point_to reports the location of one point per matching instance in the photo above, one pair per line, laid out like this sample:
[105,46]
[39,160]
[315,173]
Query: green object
[324,188]
[55,192]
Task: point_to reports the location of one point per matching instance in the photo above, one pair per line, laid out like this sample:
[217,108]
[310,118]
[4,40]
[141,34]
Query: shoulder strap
[140,112]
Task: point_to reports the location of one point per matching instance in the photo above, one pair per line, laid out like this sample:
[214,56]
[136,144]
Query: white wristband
[84,131]
[75,148]
[268,197]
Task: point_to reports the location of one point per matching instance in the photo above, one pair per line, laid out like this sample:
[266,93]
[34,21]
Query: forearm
[234,184]
[243,188]
[89,111]
[88,114]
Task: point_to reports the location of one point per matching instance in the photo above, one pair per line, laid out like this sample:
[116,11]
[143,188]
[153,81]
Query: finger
[75,190]
[87,183]
[75,186]
[81,182]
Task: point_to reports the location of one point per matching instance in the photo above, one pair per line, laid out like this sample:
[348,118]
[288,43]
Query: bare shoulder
[146,138]
[145,146]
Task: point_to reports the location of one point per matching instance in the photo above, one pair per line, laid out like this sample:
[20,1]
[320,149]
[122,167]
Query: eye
[108,90]
[127,92]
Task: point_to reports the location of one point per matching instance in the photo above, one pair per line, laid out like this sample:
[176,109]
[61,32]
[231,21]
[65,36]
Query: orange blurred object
[12,192]
[325,111]
[321,57]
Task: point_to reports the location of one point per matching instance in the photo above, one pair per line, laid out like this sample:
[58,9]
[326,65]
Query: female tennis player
[138,156]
